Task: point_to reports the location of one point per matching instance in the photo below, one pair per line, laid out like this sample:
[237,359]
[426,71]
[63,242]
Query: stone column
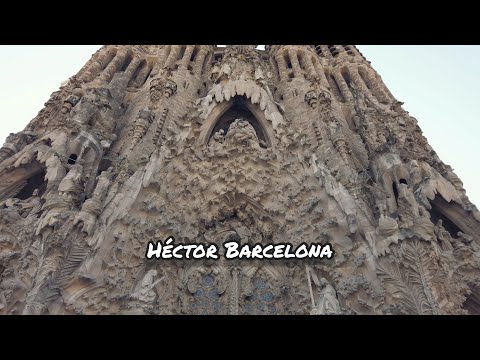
[282,67]
[357,80]
[173,56]
[187,56]
[114,66]
[297,70]
[326,51]
[347,95]
[309,64]
[99,63]
[132,67]
[200,60]
[142,75]
[160,61]
[376,87]
[321,73]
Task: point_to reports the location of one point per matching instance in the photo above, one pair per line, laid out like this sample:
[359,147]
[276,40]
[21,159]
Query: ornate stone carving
[144,119]
[93,207]
[311,99]
[241,133]
[217,149]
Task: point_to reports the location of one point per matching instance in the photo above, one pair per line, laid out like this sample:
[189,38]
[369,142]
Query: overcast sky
[439,85]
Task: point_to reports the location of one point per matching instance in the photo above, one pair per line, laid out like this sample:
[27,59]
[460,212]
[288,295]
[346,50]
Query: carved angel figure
[327,303]
[145,290]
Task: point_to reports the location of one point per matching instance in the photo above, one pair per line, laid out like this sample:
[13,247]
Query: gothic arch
[255,116]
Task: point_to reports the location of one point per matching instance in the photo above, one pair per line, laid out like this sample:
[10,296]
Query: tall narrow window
[334,87]
[319,51]
[127,62]
[333,50]
[181,53]
[347,78]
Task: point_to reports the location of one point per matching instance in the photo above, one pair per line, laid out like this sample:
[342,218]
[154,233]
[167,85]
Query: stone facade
[205,144]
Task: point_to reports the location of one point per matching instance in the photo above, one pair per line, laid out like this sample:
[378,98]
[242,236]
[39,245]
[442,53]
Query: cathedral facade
[294,144]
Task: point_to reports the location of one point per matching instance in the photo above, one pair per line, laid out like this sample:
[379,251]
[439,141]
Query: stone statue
[145,290]
[25,208]
[93,207]
[443,236]
[327,303]
[380,196]
[72,185]
[55,171]
[31,206]
[218,138]
[103,183]
[407,206]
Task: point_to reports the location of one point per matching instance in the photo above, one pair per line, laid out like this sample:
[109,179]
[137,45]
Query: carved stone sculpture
[284,146]
[327,303]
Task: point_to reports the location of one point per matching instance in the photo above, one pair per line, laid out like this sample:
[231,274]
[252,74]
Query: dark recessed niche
[72,159]
[35,182]
[239,110]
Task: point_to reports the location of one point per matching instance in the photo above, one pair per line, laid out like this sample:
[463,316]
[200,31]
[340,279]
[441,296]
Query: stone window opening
[287,61]
[303,66]
[207,298]
[262,299]
[347,78]
[72,159]
[141,74]
[111,55]
[218,57]
[181,53]
[395,192]
[403,181]
[275,67]
[194,54]
[137,72]
[335,87]
[365,78]
[333,50]
[289,65]
[126,63]
[349,51]
[319,51]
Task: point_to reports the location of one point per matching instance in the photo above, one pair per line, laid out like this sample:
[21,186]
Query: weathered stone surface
[205,144]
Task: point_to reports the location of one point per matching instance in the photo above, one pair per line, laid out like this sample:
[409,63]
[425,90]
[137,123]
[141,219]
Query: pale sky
[438,84]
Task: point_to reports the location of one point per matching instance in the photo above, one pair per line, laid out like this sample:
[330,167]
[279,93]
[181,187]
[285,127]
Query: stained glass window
[207,298]
[262,300]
